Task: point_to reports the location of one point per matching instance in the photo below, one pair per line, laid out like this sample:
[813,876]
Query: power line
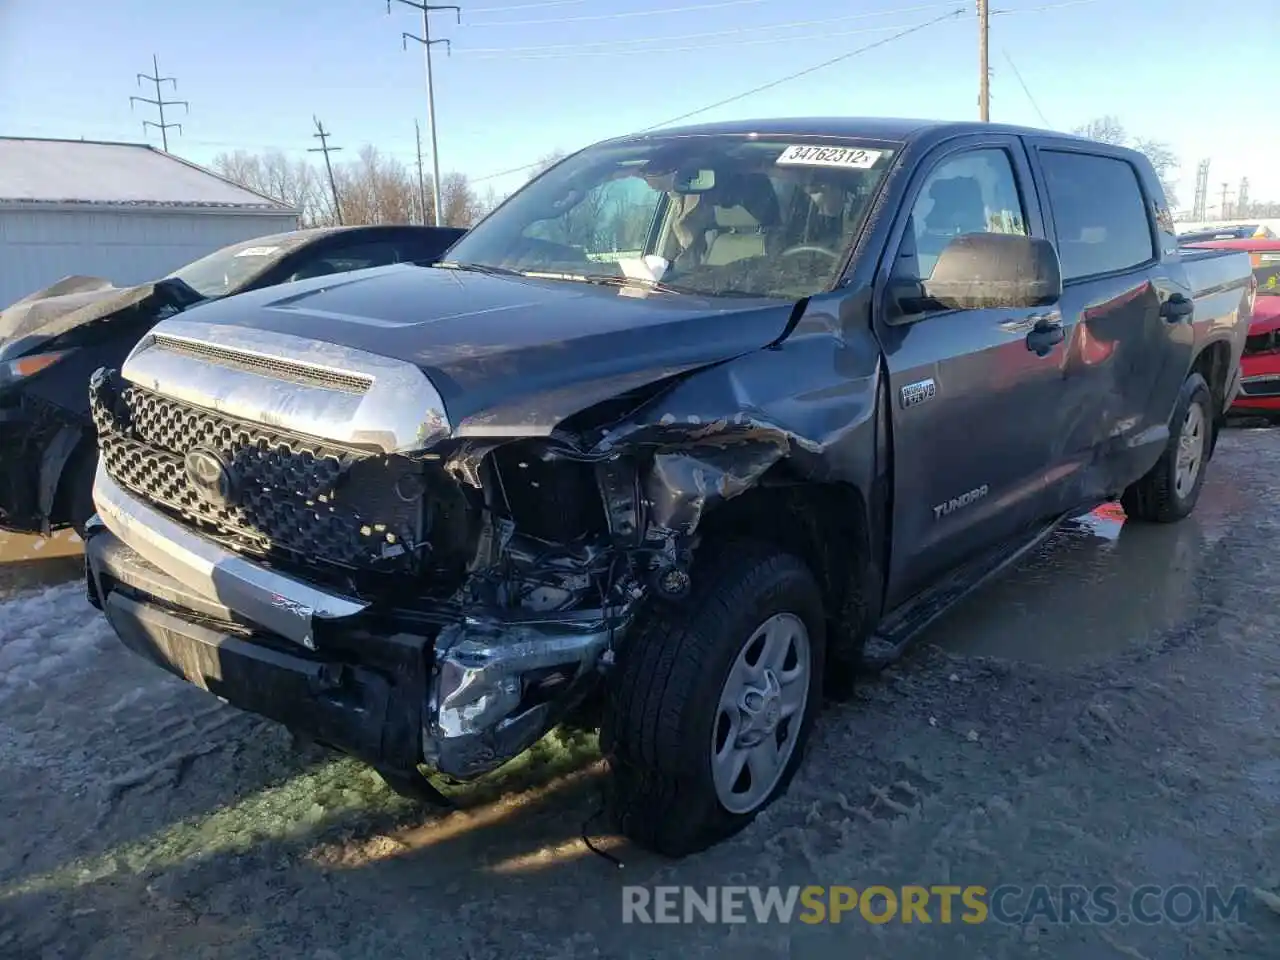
[159,102]
[1022,83]
[1041,9]
[614,45]
[324,148]
[531,6]
[427,44]
[689,8]
[807,70]
[656,51]
[762,87]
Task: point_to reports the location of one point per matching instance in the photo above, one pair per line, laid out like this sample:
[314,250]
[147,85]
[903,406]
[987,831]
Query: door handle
[1177,308]
[1045,335]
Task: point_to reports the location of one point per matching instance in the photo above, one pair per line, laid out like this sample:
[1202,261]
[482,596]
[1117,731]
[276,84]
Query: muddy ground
[1106,715]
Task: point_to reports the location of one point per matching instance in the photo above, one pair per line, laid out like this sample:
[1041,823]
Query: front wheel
[1171,488]
[714,701]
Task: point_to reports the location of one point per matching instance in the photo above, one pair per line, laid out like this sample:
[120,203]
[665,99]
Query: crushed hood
[75,301]
[510,352]
[1266,314]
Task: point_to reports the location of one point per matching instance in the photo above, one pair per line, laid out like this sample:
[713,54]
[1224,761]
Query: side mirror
[978,271]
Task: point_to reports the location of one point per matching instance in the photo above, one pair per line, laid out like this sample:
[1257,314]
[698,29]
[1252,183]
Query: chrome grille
[292,496]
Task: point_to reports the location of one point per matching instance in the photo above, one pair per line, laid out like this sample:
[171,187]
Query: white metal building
[123,211]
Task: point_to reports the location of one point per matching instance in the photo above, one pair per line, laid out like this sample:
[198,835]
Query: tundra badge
[919,392]
[955,503]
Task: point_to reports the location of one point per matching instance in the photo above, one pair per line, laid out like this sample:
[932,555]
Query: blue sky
[528,77]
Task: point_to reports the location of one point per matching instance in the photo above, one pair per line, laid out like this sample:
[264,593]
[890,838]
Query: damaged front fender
[77,301]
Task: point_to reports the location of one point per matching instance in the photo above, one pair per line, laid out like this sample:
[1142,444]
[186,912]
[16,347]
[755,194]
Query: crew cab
[697,425]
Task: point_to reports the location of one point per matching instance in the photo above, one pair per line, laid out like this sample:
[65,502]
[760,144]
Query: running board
[896,631]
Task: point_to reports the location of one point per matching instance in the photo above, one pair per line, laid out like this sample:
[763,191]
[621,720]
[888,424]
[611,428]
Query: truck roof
[892,129]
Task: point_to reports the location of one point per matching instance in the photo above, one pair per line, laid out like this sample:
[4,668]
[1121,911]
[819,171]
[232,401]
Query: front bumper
[1259,383]
[463,698]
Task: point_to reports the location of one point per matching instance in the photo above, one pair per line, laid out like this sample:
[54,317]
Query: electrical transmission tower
[323,135]
[159,102]
[427,44]
[1242,198]
[1225,212]
[1200,208]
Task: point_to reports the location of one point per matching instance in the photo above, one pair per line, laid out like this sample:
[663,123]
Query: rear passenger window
[1099,212]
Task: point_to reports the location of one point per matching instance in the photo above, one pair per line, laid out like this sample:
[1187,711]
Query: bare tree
[1109,129]
[458,201]
[546,162]
[294,182]
[488,202]
[1106,129]
[372,188]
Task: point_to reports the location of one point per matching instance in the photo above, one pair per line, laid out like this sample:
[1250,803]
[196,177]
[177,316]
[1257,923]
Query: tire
[1167,494]
[664,722]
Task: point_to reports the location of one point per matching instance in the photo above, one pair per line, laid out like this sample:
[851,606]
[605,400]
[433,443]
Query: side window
[1099,213]
[359,256]
[973,192]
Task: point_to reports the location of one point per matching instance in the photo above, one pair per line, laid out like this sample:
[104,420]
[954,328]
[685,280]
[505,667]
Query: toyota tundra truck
[695,426]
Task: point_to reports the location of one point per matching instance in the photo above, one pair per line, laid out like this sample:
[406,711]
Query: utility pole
[1222,213]
[984,68]
[427,44]
[422,188]
[1199,208]
[159,102]
[324,148]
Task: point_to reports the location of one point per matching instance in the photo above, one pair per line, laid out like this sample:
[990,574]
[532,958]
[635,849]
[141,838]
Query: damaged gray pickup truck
[695,425]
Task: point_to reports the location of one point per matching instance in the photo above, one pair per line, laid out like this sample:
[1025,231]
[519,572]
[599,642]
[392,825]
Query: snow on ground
[48,631]
[140,819]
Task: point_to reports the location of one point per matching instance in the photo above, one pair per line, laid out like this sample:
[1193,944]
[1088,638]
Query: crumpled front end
[341,579]
[1260,362]
[306,511]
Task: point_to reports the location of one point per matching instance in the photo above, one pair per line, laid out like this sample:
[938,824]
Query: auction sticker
[818,155]
[257,251]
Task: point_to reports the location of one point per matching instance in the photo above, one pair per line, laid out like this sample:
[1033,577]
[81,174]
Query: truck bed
[1216,271]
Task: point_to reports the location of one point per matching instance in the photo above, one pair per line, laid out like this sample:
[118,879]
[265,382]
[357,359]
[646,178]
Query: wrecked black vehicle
[695,425]
[52,340]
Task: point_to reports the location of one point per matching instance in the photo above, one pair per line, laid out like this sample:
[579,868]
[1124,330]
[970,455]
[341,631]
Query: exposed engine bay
[527,559]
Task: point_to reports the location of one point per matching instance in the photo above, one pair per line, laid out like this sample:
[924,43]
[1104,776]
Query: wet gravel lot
[1109,714]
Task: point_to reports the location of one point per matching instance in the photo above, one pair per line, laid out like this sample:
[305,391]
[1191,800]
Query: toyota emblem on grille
[210,474]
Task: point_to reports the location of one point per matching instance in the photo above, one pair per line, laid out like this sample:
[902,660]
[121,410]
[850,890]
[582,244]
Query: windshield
[226,271]
[1266,269]
[713,215]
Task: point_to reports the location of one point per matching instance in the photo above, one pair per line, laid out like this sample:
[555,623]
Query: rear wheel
[714,701]
[1171,488]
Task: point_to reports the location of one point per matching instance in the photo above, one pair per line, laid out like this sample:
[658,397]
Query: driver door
[972,405]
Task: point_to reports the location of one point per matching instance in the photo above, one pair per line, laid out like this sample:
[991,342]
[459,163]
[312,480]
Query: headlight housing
[20,368]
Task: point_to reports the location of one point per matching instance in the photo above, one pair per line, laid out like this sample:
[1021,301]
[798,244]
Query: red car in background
[1260,364]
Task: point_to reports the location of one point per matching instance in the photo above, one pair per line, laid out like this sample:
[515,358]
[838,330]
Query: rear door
[1124,357]
[972,405]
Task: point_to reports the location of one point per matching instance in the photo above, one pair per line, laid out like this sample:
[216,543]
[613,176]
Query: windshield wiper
[479,268]
[605,280]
